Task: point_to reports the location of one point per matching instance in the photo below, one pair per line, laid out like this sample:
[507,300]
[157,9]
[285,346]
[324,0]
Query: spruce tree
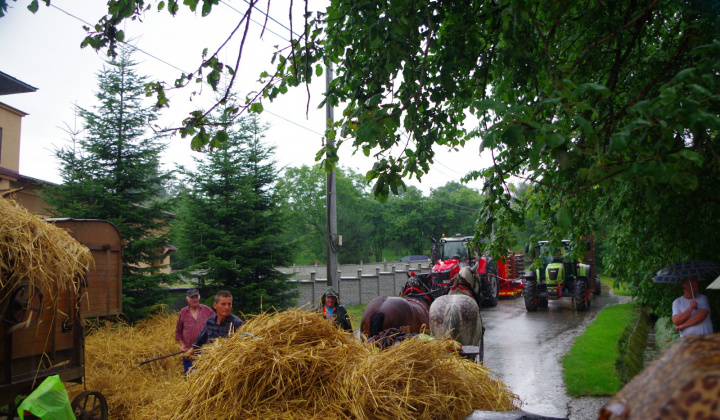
[230,225]
[112,172]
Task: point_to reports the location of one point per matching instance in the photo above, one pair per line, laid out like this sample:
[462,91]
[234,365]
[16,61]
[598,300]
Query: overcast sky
[44,51]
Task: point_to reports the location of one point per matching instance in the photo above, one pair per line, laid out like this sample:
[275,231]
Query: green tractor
[558,275]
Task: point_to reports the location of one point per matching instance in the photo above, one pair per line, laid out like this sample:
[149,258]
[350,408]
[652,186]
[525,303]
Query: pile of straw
[295,364]
[37,252]
[113,353]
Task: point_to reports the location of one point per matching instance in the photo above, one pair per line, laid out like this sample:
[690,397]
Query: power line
[152,56]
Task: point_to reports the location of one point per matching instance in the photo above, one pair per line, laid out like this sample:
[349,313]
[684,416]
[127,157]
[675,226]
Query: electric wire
[154,57]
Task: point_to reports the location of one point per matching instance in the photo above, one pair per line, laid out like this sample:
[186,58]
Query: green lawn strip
[590,366]
[620,290]
[355,313]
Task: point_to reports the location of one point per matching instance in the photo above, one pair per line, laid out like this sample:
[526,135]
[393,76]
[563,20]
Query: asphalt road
[525,350]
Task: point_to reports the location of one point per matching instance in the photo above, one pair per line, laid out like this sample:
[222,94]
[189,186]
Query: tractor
[557,274]
[453,253]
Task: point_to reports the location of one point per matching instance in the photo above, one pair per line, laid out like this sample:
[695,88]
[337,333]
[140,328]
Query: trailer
[511,270]
[42,329]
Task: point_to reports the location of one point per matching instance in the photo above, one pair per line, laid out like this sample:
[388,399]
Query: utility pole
[333,240]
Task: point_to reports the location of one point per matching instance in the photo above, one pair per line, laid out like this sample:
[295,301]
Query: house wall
[10,123]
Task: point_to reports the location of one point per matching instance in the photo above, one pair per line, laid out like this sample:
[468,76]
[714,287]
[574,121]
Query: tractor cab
[449,255]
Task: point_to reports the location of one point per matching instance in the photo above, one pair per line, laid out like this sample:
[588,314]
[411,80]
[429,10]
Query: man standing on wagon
[220,325]
[191,321]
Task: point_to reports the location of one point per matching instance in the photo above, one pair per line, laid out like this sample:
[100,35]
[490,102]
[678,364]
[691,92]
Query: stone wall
[358,289]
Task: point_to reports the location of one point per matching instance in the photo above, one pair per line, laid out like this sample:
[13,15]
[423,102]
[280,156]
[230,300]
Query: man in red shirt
[191,321]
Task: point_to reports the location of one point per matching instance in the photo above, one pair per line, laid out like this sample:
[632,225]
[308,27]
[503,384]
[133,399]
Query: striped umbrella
[701,270]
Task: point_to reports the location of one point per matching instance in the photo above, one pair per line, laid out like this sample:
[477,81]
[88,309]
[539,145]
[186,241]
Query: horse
[410,312]
[457,314]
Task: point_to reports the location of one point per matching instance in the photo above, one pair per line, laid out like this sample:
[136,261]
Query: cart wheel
[27,304]
[90,405]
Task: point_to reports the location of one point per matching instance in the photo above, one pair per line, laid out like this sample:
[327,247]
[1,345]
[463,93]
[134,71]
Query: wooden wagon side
[104,279]
[42,327]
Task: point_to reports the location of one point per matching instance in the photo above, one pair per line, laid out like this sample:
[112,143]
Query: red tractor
[451,254]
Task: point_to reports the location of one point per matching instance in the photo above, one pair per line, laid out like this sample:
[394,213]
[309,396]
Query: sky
[43,50]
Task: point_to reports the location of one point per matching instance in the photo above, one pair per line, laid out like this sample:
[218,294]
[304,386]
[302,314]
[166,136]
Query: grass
[589,367]
[620,290]
[355,313]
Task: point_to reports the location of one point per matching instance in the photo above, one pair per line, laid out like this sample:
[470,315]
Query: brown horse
[411,311]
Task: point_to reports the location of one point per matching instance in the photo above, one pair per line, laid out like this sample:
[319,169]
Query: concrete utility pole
[333,240]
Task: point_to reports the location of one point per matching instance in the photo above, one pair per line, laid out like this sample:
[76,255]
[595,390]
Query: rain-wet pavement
[525,350]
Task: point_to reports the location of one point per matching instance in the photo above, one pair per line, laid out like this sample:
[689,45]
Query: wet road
[525,350]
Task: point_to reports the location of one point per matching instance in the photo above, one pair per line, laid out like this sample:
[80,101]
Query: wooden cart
[42,336]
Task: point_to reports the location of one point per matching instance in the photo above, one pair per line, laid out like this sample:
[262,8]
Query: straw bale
[295,364]
[37,252]
[113,352]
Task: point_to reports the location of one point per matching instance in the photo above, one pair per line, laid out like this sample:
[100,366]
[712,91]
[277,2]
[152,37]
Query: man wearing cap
[190,323]
[334,310]
[691,311]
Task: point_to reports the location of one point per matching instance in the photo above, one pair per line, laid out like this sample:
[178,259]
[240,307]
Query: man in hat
[190,323]
[691,311]
[333,309]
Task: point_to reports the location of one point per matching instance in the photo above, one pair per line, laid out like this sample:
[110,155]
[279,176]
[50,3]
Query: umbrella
[674,274]
[715,284]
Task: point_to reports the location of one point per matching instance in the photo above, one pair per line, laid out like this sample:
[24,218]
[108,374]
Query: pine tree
[230,226]
[112,172]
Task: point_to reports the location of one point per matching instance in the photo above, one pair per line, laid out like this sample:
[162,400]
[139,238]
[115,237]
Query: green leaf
[257,108]
[161,6]
[592,87]
[563,218]
[618,141]
[553,140]
[485,104]
[512,135]
[318,70]
[33,6]
[120,36]
[692,156]
[368,132]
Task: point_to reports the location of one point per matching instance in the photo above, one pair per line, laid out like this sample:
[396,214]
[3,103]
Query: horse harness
[409,295]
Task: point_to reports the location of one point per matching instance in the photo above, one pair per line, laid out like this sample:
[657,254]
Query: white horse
[457,315]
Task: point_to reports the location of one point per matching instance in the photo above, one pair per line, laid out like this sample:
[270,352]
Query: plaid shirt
[188,328]
[212,330]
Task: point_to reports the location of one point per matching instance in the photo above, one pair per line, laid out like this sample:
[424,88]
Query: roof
[10,85]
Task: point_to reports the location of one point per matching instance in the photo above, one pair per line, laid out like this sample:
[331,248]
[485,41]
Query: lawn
[355,313]
[619,290]
[589,367]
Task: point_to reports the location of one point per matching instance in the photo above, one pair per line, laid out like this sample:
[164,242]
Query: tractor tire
[530,295]
[490,291]
[598,288]
[582,295]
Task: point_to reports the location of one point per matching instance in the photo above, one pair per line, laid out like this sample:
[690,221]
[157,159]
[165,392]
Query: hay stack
[295,364]
[113,353]
[37,252]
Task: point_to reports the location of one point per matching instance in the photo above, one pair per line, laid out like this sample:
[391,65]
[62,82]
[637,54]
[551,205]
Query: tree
[112,173]
[590,102]
[304,195]
[230,224]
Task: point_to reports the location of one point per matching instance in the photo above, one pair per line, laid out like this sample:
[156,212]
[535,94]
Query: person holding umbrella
[691,311]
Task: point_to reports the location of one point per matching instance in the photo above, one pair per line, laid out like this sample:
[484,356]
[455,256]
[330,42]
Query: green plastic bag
[48,401]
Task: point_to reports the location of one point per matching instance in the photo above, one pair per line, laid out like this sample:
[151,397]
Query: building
[25,189]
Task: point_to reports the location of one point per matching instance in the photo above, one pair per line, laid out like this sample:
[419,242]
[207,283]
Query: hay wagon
[44,299]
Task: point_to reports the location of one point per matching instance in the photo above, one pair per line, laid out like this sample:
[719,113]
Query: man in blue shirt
[221,324]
